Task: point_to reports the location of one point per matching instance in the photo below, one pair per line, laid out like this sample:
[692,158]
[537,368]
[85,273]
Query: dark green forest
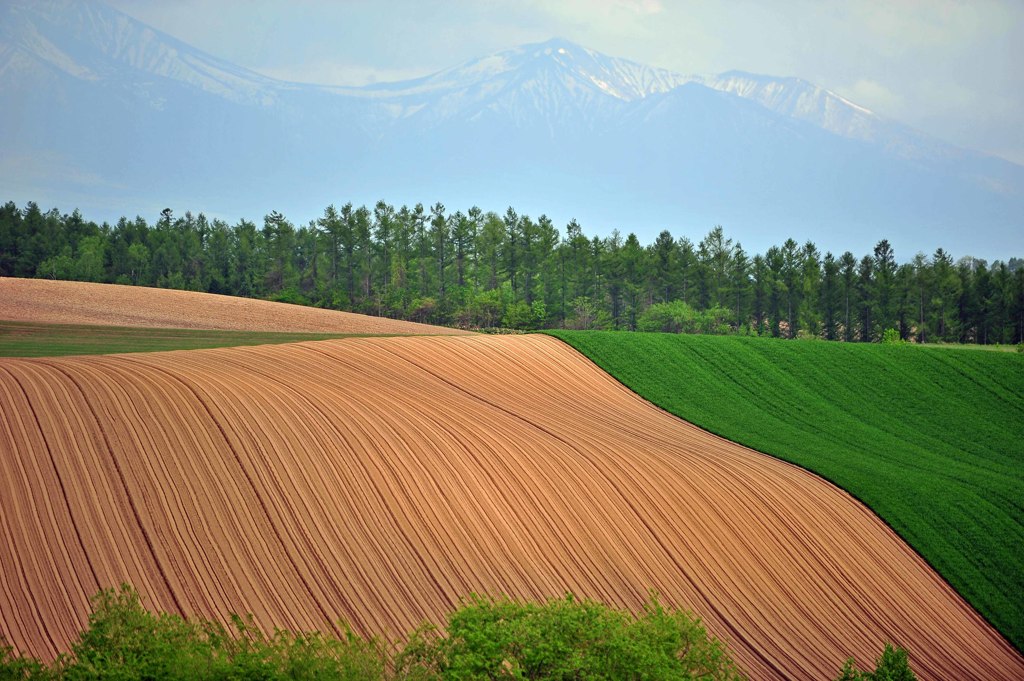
[479,269]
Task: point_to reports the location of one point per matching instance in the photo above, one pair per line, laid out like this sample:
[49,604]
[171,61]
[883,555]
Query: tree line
[478,269]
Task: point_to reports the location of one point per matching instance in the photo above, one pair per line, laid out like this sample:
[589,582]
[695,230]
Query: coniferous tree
[279,240]
[634,276]
[810,291]
[663,271]
[545,244]
[739,287]
[792,280]
[489,250]
[384,231]
[848,279]
[761,294]
[967,304]
[713,255]
[980,311]
[10,232]
[474,268]
[1000,309]
[1017,306]
[578,249]
[830,297]
[402,259]
[362,228]
[510,249]
[921,296]
[614,274]
[775,262]
[331,224]
[945,297]
[421,249]
[884,293]
[307,257]
[905,296]
[866,303]
[31,241]
[686,259]
[529,256]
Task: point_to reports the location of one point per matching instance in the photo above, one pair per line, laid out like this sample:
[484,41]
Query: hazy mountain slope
[104,113]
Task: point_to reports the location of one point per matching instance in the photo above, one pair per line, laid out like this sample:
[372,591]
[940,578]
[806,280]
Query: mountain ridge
[95,94]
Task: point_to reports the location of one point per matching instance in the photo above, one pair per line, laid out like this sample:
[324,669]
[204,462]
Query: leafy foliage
[486,639]
[678,317]
[929,438]
[20,668]
[572,639]
[892,665]
[891,337]
[125,641]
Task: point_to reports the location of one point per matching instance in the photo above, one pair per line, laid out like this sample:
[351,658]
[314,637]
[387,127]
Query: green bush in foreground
[17,668]
[562,639]
[126,641]
[892,665]
[573,639]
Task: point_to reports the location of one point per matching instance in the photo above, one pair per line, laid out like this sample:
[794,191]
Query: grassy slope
[24,339]
[932,439]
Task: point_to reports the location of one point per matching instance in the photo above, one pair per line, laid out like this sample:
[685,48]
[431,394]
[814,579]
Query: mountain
[102,112]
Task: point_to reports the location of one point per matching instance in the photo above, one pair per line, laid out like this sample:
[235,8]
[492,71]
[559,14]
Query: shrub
[678,317]
[563,638]
[673,317]
[18,668]
[125,641]
[892,665]
[290,295]
[891,336]
[518,316]
[570,639]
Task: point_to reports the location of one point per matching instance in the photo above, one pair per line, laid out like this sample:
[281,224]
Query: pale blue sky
[950,68]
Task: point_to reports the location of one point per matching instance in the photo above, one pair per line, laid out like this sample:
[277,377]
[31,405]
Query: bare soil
[74,302]
[379,480]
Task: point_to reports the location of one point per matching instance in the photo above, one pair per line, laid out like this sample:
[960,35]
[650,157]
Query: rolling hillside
[929,438]
[379,480]
[71,302]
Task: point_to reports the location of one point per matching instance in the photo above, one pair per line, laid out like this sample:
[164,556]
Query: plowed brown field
[73,302]
[378,480]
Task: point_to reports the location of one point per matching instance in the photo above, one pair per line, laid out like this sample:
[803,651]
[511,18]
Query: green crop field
[24,339]
[931,439]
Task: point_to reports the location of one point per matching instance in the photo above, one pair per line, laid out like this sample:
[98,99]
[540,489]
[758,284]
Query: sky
[949,68]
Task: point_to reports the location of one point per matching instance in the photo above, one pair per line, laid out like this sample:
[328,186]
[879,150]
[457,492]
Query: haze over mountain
[104,113]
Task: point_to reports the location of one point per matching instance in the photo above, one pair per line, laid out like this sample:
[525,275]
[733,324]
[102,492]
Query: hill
[67,302]
[379,480]
[929,438]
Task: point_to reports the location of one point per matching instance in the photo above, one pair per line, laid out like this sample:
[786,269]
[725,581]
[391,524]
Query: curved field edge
[928,438]
[74,302]
[27,339]
[379,480]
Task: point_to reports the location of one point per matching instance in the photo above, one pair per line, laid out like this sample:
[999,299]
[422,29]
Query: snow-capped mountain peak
[94,101]
[91,41]
[799,99]
[615,77]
